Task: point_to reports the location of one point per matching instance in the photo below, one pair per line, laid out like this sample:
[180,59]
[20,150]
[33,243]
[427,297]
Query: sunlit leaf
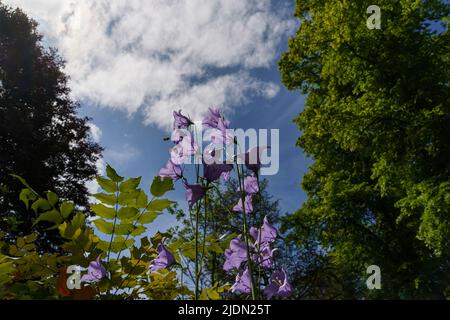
[148,217]
[123,228]
[141,200]
[66,209]
[107,185]
[52,198]
[128,198]
[26,195]
[42,204]
[130,184]
[127,213]
[161,186]
[109,199]
[138,231]
[112,174]
[53,216]
[104,226]
[103,211]
[160,204]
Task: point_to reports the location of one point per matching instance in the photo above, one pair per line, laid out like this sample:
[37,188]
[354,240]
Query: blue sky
[120,134]
[132,63]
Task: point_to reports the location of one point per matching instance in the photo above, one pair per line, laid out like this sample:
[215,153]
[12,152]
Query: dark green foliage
[41,136]
[377,125]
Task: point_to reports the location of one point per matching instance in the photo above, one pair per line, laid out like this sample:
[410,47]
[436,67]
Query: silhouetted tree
[41,137]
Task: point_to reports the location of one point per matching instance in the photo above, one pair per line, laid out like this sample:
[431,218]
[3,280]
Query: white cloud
[92,185]
[160,55]
[96,132]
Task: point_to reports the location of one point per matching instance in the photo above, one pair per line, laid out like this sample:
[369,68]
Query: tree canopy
[41,136]
[376,124]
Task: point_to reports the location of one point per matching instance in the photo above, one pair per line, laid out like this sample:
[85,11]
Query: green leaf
[107,185]
[209,294]
[26,195]
[103,211]
[117,245]
[158,237]
[20,242]
[148,217]
[161,186]
[123,228]
[213,244]
[145,242]
[103,226]
[50,216]
[52,198]
[31,238]
[66,209]
[188,250]
[142,200]
[138,230]
[42,204]
[109,199]
[128,198]
[78,221]
[160,204]
[127,213]
[130,184]
[23,181]
[112,174]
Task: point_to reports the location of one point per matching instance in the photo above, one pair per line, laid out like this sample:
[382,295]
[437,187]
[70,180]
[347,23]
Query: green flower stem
[204,230]
[116,209]
[197,220]
[260,225]
[249,260]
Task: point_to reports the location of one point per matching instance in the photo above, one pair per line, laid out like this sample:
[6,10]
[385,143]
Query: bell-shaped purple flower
[95,272]
[235,255]
[212,118]
[185,148]
[179,134]
[194,192]
[171,170]
[267,233]
[243,282]
[214,171]
[279,285]
[181,121]
[164,259]
[251,185]
[265,256]
[252,158]
[248,205]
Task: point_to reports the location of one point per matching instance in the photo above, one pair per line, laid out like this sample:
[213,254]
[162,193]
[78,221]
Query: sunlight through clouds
[152,57]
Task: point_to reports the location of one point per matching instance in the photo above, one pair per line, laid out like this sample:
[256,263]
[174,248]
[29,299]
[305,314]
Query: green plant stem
[197,220]
[112,234]
[204,231]
[258,240]
[250,267]
[116,208]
